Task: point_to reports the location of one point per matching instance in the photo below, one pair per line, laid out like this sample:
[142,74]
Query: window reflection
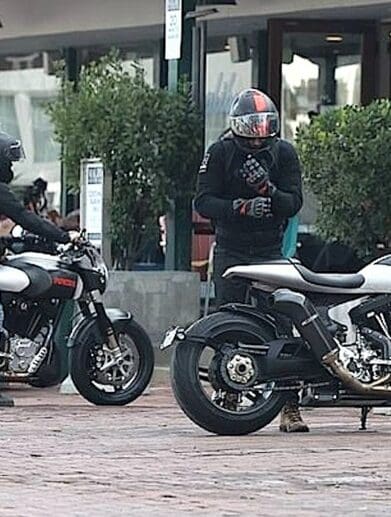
[26,84]
[46,149]
[8,121]
[223,81]
[317,75]
[144,56]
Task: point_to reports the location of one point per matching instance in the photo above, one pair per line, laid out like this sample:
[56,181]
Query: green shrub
[149,138]
[347,164]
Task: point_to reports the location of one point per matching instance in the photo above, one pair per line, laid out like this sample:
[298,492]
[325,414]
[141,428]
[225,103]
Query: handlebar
[27,242]
[31,242]
[8,240]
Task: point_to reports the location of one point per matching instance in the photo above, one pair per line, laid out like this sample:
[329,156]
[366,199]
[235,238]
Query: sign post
[95,205]
[173,29]
[178,41]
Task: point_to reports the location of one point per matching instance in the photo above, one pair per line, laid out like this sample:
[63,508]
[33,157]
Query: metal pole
[195,64]
[178,219]
[202,72]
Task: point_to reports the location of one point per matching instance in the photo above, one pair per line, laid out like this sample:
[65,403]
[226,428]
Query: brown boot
[291,421]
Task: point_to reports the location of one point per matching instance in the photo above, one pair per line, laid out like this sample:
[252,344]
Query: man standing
[249,185]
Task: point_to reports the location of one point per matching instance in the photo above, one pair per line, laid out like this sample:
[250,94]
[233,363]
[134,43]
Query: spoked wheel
[214,384]
[107,379]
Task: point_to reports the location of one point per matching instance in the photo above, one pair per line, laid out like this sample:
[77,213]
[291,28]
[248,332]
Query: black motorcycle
[110,355]
[324,336]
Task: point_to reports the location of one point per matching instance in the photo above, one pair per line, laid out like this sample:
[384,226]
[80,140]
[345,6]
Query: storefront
[308,55]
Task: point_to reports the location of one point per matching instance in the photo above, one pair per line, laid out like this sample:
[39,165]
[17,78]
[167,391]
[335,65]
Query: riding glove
[257,207]
[257,177]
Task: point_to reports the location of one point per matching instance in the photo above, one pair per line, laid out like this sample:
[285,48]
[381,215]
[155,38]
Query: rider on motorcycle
[11,150]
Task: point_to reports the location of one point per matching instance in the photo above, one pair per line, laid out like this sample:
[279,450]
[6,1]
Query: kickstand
[364,415]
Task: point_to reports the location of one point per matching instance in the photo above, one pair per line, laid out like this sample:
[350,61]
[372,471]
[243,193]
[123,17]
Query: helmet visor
[15,152]
[256,125]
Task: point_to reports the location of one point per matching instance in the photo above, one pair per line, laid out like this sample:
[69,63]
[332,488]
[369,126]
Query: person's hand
[257,207]
[257,177]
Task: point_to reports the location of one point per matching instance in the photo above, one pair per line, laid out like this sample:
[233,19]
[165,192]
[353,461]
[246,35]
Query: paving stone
[62,456]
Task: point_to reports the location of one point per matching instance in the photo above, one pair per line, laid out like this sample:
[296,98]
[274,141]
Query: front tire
[83,367]
[186,378]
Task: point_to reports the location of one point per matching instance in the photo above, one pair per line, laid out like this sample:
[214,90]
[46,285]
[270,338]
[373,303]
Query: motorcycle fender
[200,330]
[114,314]
[250,312]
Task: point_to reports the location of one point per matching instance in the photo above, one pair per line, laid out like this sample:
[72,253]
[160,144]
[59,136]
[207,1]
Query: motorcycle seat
[342,281]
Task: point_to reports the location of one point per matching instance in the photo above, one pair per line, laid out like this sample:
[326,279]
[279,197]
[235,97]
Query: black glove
[257,177]
[257,207]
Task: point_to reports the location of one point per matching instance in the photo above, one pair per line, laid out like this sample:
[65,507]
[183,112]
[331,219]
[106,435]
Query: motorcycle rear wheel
[83,366]
[187,378]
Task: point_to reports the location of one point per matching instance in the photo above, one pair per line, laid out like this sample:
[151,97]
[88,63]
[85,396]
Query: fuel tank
[37,275]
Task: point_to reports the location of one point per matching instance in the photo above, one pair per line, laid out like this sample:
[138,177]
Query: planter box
[157,300]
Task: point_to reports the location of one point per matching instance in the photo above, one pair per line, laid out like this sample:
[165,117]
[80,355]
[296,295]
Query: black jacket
[12,208]
[220,183]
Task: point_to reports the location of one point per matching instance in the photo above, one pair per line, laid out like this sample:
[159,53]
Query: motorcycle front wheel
[104,379]
[196,385]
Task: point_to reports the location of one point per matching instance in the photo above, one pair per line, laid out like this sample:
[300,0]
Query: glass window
[26,84]
[8,121]
[224,79]
[46,149]
[319,71]
[146,56]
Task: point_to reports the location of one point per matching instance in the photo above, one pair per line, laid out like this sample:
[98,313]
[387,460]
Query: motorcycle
[325,336]
[110,355]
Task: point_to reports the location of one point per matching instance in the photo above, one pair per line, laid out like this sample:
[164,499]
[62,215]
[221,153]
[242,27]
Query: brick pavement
[60,456]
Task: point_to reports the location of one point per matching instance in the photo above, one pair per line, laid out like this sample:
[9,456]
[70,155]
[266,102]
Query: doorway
[318,65]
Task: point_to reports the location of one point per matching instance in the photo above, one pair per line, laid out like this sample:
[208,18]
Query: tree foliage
[347,165]
[148,138]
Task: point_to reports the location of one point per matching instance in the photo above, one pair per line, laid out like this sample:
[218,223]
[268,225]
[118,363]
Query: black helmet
[11,150]
[254,115]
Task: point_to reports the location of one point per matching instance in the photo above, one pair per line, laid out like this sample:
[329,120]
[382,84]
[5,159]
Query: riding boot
[291,421]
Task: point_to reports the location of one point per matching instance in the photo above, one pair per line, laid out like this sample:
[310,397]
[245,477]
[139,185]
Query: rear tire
[80,368]
[189,392]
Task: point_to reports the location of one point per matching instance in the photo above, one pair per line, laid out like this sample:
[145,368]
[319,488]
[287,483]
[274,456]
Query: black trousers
[228,290]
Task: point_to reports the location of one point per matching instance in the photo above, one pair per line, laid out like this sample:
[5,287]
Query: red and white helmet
[254,115]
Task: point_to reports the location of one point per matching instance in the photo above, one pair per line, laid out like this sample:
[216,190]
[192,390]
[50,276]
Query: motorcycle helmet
[254,119]
[11,150]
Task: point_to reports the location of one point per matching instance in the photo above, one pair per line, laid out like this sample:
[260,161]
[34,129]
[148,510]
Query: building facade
[309,55]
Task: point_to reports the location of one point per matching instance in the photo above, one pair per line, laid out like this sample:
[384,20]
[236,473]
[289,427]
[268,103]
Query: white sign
[173,29]
[92,200]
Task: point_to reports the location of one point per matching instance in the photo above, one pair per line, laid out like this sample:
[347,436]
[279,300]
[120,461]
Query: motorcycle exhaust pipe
[376,388]
[307,321]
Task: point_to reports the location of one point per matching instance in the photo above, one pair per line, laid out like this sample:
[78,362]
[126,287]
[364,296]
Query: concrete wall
[157,300]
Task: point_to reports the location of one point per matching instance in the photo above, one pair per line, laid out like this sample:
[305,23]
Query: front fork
[97,311]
